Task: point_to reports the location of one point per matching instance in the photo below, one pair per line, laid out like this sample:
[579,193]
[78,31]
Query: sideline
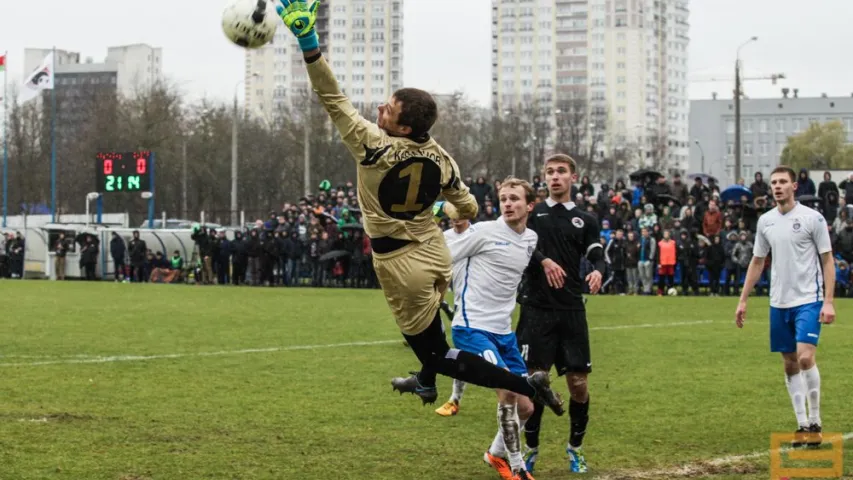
[84,359]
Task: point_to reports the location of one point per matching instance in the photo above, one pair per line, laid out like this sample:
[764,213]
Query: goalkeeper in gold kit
[402,171]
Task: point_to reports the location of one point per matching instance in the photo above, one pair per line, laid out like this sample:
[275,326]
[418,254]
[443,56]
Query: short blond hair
[563,158]
[512,182]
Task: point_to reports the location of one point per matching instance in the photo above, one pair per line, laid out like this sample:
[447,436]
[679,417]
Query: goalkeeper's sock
[432,350]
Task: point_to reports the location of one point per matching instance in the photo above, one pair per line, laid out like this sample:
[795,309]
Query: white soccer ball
[672,292]
[250,23]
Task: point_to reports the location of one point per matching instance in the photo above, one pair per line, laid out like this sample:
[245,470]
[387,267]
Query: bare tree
[658,150]
[580,132]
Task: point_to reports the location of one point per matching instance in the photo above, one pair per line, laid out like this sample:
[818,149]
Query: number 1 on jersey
[414,172]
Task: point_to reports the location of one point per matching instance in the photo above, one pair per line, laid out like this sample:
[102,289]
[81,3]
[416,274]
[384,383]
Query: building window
[730,148]
[797,126]
[762,126]
[763,149]
[747,149]
[780,125]
[730,127]
[747,126]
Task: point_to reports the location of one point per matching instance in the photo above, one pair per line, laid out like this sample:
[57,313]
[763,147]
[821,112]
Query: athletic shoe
[541,383]
[449,409]
[413,385]
[801,437]
[523,475]
[500,465]
[815,437]
[530,455]
[577,462]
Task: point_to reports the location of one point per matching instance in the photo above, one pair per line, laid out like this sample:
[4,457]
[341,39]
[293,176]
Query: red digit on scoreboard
[108,167]
[140,165]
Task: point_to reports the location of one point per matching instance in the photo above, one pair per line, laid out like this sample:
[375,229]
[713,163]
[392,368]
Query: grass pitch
[143,382]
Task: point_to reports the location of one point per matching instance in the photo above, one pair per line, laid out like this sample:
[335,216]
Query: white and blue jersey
[488,262]
[796,240]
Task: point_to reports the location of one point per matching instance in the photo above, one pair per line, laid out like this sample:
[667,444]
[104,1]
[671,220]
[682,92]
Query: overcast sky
[808,41]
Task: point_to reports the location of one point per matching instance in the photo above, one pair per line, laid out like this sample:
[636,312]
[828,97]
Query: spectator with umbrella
[735,193]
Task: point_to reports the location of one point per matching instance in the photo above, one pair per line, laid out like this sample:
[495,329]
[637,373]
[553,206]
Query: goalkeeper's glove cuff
[309,42]
[438,210]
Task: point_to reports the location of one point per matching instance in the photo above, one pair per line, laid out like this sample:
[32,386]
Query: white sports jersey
[795,240]
[488,262]
[457,268]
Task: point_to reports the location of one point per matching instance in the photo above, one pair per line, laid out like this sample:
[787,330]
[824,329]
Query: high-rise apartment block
[626,59]
[363,41]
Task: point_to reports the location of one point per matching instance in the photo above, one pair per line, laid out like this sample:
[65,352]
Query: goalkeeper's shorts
[414,279]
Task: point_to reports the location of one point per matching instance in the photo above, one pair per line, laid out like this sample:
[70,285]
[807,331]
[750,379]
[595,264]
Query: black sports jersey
[565,236]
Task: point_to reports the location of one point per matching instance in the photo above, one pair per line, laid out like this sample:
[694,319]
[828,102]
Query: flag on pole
[3,70]
[39,80]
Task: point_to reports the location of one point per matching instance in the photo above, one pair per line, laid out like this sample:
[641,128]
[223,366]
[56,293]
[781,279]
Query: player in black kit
[552,328]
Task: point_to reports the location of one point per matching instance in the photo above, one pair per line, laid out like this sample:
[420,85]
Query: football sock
[508,422]
[531,428]
[432,350]
[812,380]
[508,429]
[578,418]
[797,391]
[498,447]
[458,390]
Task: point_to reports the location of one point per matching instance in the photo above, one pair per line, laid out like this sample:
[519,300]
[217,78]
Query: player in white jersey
[488,262]
[802,286]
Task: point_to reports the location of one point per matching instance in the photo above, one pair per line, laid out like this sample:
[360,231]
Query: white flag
[41,79]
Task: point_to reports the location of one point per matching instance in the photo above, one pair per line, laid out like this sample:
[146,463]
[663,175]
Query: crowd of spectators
[660,236]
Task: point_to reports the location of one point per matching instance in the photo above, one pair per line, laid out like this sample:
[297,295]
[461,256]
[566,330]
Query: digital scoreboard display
[123,172]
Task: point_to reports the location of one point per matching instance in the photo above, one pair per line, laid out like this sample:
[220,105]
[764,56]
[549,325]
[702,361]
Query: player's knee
[805,360]
[577,384]
[525,407]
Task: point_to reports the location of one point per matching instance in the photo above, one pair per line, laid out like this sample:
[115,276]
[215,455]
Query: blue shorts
[502,350]
[789,326]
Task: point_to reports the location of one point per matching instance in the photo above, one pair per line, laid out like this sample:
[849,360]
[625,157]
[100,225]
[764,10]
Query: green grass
[661,397]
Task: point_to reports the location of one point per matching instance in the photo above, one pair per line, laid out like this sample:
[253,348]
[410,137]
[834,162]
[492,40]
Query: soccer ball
[672,292]
[250,23]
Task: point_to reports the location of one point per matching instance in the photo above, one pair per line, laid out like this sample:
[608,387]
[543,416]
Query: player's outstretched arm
[357,133]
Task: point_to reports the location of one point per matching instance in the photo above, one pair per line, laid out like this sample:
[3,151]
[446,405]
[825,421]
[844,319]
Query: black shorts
[554,337]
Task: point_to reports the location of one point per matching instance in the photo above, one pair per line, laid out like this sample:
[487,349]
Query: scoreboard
[123,172]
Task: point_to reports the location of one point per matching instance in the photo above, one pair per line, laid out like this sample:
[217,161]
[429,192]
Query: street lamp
[702,151]
[234,153]
[89,197]
[737,105]
[150,197]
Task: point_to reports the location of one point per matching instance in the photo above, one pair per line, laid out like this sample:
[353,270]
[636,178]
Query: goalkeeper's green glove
[300,19]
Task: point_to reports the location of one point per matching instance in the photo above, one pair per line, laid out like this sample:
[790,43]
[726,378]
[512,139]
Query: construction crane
[774,77]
